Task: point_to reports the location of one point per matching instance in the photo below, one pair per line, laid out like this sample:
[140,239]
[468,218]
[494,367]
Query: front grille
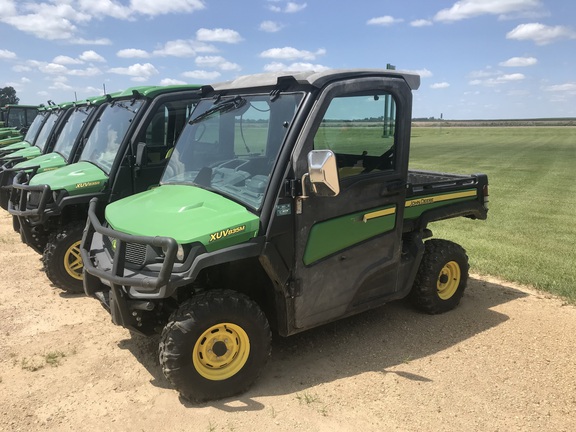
[136,253]
[34,198]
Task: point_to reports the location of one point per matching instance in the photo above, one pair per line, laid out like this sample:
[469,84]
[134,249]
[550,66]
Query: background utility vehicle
[17,119]
[66,143]
[30,136]
[45,139]
[287,203]
[122,153]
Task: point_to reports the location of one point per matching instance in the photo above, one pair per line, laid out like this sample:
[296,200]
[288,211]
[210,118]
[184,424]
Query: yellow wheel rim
[448,280]
[73,261]
[221,351]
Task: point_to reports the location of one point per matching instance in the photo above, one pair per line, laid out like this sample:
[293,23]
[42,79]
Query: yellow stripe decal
[379,213]
[439,198]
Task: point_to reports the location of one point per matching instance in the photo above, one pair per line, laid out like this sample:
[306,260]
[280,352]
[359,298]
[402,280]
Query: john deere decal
[227,232]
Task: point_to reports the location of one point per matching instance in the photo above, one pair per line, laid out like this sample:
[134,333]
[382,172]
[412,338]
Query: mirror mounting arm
[301,198]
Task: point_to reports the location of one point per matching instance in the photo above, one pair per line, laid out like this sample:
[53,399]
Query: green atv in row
[58,149]
[286,204]
[122,152]
[44,141]
[16,120]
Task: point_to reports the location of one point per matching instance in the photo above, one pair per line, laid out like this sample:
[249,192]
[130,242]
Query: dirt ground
[504,360]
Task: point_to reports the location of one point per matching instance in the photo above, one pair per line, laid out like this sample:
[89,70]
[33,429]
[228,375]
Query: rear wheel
[215,345]
[441,278]
[62,260]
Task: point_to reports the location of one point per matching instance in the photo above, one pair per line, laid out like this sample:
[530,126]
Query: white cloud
[440,85]
[217,62]
[497,79]
[384,20]
[201,75]
[465,9]
[519,62]
[289,53]
[562,88]
[105,8]
[270,26]
[155,7]
[541,34]
[139,72]
[58,85]
[218,35]
[290,7]
[91,56]
[59,19]
[53,68]
[298,66]
[88,72]
[421,23]
[5,54]
[40,26]
[7,8]
[21,68]
[183,48]
[82,41]
[171,81]
[424,73]
[132,53]
[65,60]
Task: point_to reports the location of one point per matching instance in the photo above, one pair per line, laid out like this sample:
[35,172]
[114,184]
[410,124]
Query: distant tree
[8,96]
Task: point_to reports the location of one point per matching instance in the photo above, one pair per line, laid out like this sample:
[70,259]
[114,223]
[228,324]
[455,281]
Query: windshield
[231,146]
[44,135]
[71,130]
[35,127]
[109,132]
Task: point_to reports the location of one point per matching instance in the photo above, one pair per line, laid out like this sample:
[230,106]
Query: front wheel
[215,345]
[441,278]
[62,260]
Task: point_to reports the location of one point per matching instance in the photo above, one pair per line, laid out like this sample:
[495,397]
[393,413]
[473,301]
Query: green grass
[530,232]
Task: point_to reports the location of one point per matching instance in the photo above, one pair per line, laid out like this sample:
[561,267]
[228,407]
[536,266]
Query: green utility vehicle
[287,203]
[8,146]
[123,152]
[17,119]
[65,139]
[45,139]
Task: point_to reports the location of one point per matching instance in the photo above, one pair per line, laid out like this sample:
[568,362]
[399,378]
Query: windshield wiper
[224,107]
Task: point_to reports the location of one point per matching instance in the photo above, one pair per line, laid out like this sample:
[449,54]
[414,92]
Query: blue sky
[478,59]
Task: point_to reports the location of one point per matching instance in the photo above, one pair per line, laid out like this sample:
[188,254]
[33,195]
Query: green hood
[46,162]
[27,152]
[187,214]
[78,178]
[17,146]
[7,141]
[10,132]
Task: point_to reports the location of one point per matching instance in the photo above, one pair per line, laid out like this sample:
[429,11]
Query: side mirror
[323,173]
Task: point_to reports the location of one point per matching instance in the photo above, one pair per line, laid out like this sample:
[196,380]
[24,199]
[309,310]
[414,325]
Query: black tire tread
[424,295]
[52,262]
[196,309]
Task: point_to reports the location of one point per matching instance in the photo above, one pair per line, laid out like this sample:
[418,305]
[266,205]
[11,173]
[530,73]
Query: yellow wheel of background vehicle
[221,351]
[62,261]
[215,345]
[441,278]
[73,261]
[448,280]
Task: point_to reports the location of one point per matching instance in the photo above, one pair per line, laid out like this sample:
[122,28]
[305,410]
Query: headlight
[180,253]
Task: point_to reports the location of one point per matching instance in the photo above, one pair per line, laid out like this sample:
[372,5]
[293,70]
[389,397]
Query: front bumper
[130,291]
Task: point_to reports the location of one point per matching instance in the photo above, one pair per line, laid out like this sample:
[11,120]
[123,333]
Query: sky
[478,59]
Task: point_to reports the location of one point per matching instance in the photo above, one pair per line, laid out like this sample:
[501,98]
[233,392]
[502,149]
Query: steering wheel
[385,160]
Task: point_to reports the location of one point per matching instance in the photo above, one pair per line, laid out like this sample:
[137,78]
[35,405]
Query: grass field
[530,233]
